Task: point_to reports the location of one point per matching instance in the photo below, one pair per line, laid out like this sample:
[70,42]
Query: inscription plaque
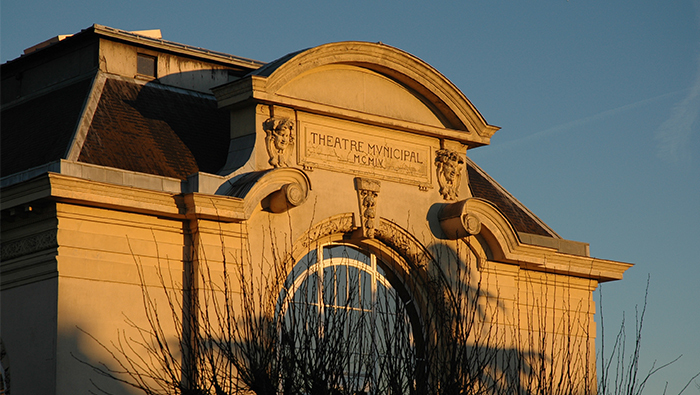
[364,152]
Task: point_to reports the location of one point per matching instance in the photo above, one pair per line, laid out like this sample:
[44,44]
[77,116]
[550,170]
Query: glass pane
[330,252]
[330,323]
[345,252]
[382,300]
[353,286]
[365,290]
[308,290]
[341,282]
[353,325]
[329,288]
[146,65]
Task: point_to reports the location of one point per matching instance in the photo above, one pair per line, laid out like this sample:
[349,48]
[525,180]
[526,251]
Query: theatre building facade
[185,219]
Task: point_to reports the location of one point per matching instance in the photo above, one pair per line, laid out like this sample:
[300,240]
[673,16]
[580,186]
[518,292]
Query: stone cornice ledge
[548,260]
[507,247]
[212,207]
[74,190]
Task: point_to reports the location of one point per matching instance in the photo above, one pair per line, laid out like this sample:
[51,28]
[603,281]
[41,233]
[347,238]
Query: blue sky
[598,101]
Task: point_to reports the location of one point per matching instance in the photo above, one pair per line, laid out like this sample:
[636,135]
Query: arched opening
[347,316]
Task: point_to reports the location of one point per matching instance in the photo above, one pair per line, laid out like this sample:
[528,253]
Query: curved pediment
[361,89]
[368,82]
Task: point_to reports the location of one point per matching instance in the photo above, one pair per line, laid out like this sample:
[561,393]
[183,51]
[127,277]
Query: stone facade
[346,144]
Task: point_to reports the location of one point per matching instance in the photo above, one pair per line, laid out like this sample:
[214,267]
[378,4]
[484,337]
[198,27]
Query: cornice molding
[74,190]
[507,247]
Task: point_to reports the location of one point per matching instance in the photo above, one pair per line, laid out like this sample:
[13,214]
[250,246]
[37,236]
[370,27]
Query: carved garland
[342,223]
[392,235]
[403,243]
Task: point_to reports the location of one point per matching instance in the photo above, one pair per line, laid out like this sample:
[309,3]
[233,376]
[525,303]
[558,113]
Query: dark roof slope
[267,69]
[156,130]
[39,130]
[483,186]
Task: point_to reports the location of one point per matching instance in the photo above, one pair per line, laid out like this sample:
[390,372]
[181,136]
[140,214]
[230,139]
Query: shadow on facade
[83,360]
[470,342]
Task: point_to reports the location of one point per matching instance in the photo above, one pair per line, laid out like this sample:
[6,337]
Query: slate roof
[483,186]
[38,131]
[156,130]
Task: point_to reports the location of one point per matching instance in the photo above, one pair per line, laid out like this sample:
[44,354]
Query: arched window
[347,321]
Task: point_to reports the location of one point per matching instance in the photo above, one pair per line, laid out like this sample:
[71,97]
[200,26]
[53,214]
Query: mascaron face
[280,137]
[450,170]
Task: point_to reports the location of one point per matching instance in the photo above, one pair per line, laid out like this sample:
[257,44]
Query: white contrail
[675,133]
[582,121]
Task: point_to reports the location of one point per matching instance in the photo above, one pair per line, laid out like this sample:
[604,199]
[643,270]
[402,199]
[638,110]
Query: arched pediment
[356,88]
[371,82]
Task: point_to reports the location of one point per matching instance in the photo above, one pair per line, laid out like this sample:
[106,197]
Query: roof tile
[486,188]
[155,130]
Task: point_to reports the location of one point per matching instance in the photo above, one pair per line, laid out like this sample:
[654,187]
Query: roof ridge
[158,85]
[48,89]
[97,28]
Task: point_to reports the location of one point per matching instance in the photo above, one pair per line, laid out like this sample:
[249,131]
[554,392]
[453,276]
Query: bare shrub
[279,326]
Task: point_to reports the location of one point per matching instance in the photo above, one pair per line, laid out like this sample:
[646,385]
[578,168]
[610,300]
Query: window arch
[347,316]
